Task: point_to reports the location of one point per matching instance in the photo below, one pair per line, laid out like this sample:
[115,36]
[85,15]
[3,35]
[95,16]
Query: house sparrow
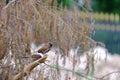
[33,56]
[41,52]
[45,48]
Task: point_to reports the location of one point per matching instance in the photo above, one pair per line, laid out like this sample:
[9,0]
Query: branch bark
[28,68]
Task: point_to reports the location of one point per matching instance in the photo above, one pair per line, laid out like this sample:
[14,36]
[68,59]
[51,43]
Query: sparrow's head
[50,44]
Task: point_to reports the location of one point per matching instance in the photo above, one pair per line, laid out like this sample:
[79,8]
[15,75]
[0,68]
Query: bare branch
[28,68]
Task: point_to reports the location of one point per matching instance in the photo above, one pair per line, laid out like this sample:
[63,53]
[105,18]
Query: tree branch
[28,68]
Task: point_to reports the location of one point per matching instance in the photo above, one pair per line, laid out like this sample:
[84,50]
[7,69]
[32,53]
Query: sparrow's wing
[47,50]
[35,56]
[44,49]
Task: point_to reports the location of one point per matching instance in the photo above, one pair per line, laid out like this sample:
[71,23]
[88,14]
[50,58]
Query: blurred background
[107,21]
[109,18]
[75,27]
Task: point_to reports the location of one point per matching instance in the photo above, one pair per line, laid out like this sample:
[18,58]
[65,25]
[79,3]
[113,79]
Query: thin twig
[9,4]
[109,74]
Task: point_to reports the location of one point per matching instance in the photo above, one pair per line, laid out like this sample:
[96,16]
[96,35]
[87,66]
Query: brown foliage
[27,21]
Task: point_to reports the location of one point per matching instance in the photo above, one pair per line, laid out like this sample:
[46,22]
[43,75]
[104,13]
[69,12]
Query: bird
[33,56]
[40,52]
[45,48]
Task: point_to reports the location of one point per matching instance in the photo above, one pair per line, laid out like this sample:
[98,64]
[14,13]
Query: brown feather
[34,56]
[45,48]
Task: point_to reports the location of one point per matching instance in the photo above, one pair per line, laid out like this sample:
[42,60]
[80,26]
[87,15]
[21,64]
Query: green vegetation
[65,3]
[110,6]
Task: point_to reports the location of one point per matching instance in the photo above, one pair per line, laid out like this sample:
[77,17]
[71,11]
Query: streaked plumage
[33,56]
[45,48]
